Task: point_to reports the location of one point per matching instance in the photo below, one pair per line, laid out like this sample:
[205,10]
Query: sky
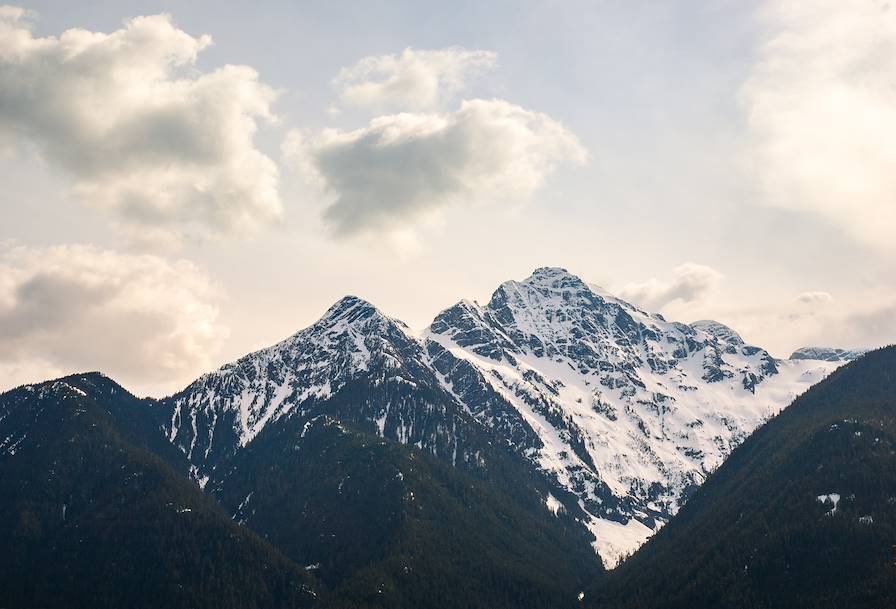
[184,183]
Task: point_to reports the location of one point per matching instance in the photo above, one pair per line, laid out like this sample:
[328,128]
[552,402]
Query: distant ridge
[827,354]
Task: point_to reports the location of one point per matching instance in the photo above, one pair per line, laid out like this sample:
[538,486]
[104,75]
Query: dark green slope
[386,525]
[755,535]
[138,421]
[90,518]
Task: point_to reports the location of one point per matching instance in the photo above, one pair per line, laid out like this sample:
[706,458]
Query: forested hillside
[89,519]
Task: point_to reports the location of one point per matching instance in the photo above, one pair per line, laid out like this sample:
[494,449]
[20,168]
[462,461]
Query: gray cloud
[402,166]
[689,282]
[68,308]
[412,80]
[166,149]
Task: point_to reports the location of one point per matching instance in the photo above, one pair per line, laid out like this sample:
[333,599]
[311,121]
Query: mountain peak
[84,384]
[552,277]
[352,340]
[349,306]
[352,312]
[544,284]
[718,330]
[549,271]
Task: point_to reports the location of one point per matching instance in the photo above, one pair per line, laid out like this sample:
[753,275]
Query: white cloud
[414,80]
[146,322]
[689,283]
[822,113]
[166,148]
[401,166]
[814,298]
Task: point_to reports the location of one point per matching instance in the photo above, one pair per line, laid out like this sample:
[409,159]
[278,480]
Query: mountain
[352,350]
[802,514]
[92,516]
[611,415]
[343,447]
[502,457]
[629,412]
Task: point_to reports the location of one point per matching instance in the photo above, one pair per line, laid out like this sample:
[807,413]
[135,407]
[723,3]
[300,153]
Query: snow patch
[831,498]
[554,505]
[615,540]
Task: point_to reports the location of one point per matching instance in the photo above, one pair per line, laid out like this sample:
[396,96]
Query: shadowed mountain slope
[90,518]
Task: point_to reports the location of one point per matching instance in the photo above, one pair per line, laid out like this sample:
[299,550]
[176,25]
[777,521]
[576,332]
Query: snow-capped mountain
[632,411]
[223,411]
[354,366]
[617,412]
[827,354]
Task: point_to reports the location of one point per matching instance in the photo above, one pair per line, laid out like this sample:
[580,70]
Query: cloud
[403,165]
[865,319]
[821,108]
[141,319]
[689,283]
[165,148]
[414,80]
[875,327]
[814,298]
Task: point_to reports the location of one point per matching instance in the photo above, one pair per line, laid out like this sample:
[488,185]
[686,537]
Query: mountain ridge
[622,412]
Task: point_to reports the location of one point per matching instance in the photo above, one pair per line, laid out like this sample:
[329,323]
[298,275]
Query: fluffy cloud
[413,80]
[822,113]
[403,165]
[147,322]
[165,148]
[689,283]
